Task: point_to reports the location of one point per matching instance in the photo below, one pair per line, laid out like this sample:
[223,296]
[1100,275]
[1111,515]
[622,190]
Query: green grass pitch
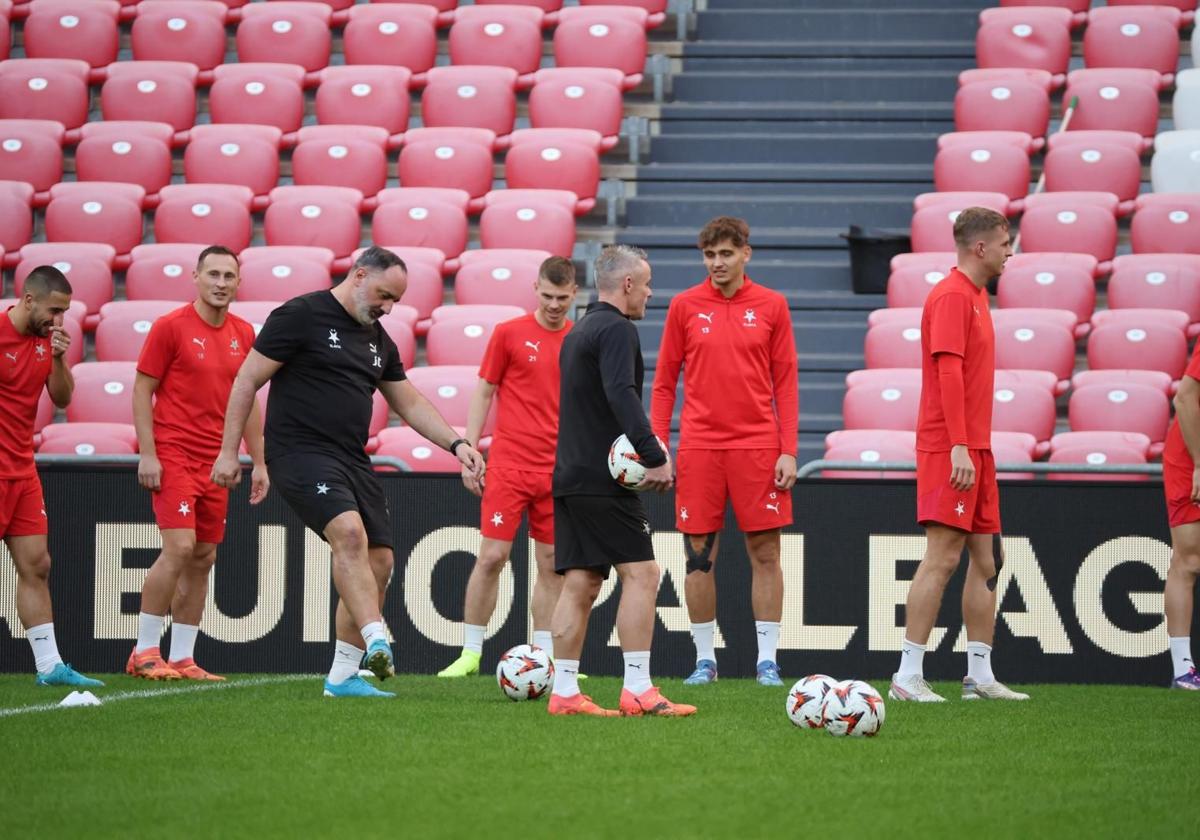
[267,756]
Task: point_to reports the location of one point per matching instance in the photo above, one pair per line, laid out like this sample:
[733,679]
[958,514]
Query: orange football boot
[189,670]
[149,665]
[577,704]
[651,702]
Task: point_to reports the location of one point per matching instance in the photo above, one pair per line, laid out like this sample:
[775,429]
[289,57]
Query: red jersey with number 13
[522,362]
[24,368]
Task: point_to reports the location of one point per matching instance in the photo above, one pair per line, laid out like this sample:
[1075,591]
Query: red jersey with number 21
[522,361]
[956,320]
[24,368]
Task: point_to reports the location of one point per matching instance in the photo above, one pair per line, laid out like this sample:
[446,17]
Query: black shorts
[321,487]
[599,532]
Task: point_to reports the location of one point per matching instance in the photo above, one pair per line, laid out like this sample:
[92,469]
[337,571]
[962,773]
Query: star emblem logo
[322,488]
[334,341]
[40,349]
[750,317]
[960,508]
[184,509]
[497,518]
[646,527]
[233,344]
[683,514]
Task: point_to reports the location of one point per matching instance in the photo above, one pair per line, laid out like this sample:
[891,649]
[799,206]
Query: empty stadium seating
[31,151]
[501,275]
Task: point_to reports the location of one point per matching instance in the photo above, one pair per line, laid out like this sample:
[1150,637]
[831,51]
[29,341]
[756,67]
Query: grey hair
[615,263]
[377,259]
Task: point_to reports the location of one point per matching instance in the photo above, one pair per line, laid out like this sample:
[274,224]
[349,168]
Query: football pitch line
[253,682]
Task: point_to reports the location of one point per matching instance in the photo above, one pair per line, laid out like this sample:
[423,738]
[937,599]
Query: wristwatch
[454,446]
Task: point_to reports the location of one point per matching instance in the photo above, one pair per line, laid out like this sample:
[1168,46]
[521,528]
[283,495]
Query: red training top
[195,364]
[1175,451]
[956,321]
[739,361]
[522,361]
[24,368]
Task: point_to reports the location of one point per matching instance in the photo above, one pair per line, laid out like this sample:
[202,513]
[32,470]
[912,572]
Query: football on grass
[852,708]
[525,673]
[805,699]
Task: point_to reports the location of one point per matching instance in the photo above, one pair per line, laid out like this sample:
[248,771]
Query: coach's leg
[159,590]
[352,575]
[569,624]
[1179,594]
[635,614]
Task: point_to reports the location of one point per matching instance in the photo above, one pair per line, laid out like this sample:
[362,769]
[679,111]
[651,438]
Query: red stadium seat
[998,167]
[1096,166]
[265,94]
[909,316]
[909,286]
[884,377]
[422,216]
[104,438]
[1082,228]
[103,392]
[425,293]
[96,211]
[5,30]
[256,313]
[656,10]
[499,276]
[1136,441]
[44,89]
[881,406]
[1023,407]
[1077,7]
[401,313]
[458,342]
[933,223]
[1036,345]
[1024,37]
[1054,261]
[1151,346]
[597,37]
[1019,139]
[162,271]
[1072,199]
[1154,378]
[180,30]
[280,273]
[473,96]
[1018,441]
[1176,319]
[960,199]
[418,453]
[1011,105]
[878,449]
[229,153]
[1041,78]
[364,95]
[1044,379]
[865,437]
[287,33]
[205,212]
[459,158]
[342,156]
[1120,99]
[414,255]
[31,151]
[130,152]
[397,34]
[155,91]
[449,388]
[539,219]
[1083,139]
[327,217]
[1026,316]
[1055,287]
[503,36]
[124,325]
[16,218]
[1166,281]
[892,345]
[405,338]
[1097,456]
[555,162]
[579,97]
[1133,37]
[1166,223]
[66,29]
[87,265]
[1129,407]
[477,313]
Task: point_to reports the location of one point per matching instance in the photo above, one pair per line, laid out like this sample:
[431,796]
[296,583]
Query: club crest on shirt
[334,341]
[749,318]
[40,349]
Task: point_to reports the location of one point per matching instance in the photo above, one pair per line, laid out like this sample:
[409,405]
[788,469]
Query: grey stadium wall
[1081,591]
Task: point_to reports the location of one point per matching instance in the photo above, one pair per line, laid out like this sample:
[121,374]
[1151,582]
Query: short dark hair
[725,228]
[377,259]
[974,222]
[45,280]
[216,251]
[559,271]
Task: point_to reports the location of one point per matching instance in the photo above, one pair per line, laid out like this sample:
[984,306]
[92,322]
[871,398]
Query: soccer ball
[625,465]
[805,699]
[852,708]
[525,672]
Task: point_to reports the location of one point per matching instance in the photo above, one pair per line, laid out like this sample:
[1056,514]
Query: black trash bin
[871,253]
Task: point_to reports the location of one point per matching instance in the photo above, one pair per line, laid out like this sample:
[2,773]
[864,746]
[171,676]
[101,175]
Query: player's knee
[1187,562]
[700,550]
[203,557]
[491,560]
[180,548]
[34,568]
[347,538]
[644,576]
[941,563]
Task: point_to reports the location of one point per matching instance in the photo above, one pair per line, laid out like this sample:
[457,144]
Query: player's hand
[1196,484]
[475,485]
[150,472]
[60,340]
[226,471]
[785,472]
[260,483]
[962,469]
[472,461]
[660,478]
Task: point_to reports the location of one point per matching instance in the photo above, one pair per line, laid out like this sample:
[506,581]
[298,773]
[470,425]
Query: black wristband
[454,446]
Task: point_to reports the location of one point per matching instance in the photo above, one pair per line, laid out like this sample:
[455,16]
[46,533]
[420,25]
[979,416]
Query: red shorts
[1177,485]
[509,493]
[706,478]
[976,511]
[187,498]
[22,509]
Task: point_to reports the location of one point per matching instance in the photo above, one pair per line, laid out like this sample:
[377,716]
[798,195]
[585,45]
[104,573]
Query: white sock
[183,641]
[702,635]
[979,663]
[473,637]
[912,659]
[545,640]
[768,640]
[373,631]
[45,648]
[150,630]
[1181,654]
[346,659]
[566,677]
[637,672]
